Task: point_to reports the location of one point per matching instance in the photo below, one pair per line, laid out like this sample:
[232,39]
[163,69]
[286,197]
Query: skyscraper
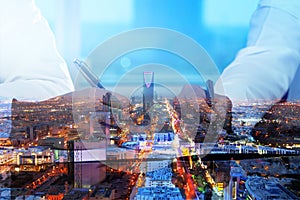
[106,102]
[209,92]
[148,91]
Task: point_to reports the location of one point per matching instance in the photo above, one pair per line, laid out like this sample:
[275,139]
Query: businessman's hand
[62,112]
[198,111]
[279,125]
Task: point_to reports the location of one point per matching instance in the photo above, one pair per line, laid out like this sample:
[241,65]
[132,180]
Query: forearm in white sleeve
[266,67]
[30,66]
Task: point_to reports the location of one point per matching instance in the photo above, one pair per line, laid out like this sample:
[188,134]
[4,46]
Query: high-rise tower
[209,92]
[148,91]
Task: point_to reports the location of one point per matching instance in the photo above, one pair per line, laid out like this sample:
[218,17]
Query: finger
[98,97]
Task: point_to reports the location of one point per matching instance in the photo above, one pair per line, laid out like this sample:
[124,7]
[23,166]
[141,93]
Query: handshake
[189,112]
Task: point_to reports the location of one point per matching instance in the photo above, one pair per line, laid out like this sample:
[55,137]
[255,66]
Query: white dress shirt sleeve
[30,66]
[266,67]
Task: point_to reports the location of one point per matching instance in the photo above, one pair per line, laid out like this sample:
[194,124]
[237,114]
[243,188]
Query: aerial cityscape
[150,149]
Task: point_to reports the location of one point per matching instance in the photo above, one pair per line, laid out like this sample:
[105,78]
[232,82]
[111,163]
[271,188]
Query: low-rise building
[157,193]
[160,177]
[261,188]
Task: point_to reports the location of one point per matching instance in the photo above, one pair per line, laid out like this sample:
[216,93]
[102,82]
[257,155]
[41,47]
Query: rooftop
[262,188]
[160,174]
[159,193]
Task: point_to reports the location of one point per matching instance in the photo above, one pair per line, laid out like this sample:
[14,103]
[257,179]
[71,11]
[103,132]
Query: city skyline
[47,152]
